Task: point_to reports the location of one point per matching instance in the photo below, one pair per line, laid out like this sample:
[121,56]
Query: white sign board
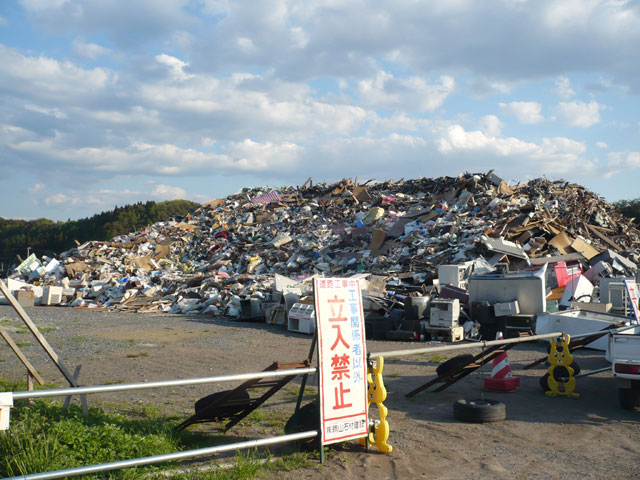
[342,359]
[632,290]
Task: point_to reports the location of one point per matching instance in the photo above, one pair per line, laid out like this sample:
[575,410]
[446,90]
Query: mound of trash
[240,255]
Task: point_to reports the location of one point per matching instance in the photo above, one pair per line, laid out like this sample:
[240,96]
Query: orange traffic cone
[501,379]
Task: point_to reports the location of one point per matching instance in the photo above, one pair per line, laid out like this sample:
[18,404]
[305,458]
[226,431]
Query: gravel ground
[585,438]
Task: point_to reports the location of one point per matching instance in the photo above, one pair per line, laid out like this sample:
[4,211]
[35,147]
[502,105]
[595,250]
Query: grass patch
[438,358]
[23,344]
[264,416]
[42,438]
[47,329]
[136,355]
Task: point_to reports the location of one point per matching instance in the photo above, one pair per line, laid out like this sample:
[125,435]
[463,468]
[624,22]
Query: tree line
[44,236]
[630,209]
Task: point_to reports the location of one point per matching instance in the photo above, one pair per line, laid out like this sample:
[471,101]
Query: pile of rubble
[394,234]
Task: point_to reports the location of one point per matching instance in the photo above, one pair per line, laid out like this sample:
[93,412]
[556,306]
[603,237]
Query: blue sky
[112,102]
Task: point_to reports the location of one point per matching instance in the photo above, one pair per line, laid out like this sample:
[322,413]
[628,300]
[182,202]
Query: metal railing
[135,462]
[465,346]
[484,344]
[58,392]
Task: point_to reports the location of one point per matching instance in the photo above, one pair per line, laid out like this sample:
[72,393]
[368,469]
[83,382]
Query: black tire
[454,364]
[628,398]
[240,401]
[479,411]
[304,420]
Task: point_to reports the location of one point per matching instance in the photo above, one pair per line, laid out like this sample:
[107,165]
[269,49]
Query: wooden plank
[604,238]
[32,371]
[34,329]
[557,258]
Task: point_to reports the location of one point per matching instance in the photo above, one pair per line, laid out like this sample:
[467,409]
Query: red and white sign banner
[342,359]
[632,290]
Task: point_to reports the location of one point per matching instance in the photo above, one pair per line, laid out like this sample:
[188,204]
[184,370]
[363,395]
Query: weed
[147,410]
[23,344]
[47,329]
[438,358]
[43,438]
[294,461]
[136,355]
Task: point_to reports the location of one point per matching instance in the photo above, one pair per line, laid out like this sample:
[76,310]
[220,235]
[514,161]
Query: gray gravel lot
[586,438]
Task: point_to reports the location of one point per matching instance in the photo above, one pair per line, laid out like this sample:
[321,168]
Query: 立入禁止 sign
[632,291]
[342,359]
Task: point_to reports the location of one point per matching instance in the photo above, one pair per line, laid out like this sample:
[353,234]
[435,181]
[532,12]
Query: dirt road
[542,437]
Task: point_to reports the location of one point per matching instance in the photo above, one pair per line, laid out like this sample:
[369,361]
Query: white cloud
[160,159]
[88,49]
[491,125]
[3,22]
[35,188]
[579,114]
[52,112]
[106,198]
[251,89]
[48,78]
[246,44]
[249,155]
[624,160]
[167,192]
[413,93]
[39,5]
[557,156]
[176,66]
[57,199]
[124,22]
[601,145]
[299,37]
[563,88]
[525,112]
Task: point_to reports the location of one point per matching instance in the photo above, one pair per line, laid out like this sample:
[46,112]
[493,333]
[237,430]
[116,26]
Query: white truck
[624,353]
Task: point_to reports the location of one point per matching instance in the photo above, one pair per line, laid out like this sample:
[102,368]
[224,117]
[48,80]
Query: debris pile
[226,257]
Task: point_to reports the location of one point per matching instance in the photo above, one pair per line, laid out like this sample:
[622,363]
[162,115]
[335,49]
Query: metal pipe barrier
[466,346]
[137,462]
[57,392]
[484,344]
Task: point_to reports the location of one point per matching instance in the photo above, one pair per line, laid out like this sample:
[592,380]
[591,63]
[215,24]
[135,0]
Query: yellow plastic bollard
[561,358]
[377,393]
